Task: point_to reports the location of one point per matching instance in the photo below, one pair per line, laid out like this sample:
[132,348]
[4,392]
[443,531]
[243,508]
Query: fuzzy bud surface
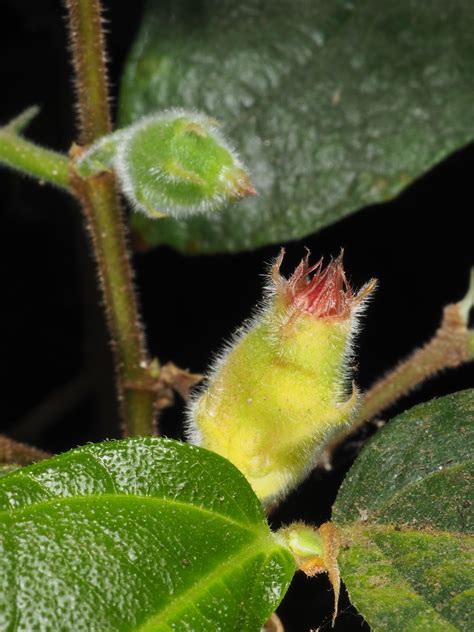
[174,163]
[283,387]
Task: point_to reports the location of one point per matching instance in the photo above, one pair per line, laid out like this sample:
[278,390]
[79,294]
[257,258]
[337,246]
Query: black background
[419,247]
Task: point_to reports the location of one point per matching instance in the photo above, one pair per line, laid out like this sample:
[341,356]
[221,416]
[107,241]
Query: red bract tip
[241,185]
[325,294]
[246,189]
[321,292]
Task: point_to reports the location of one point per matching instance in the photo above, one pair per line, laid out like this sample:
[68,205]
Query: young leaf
[405,510]
[333,105]
[142,535]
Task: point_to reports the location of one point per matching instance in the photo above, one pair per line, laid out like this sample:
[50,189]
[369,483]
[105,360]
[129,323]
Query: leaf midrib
[190,595]
[262,543]
[55,500]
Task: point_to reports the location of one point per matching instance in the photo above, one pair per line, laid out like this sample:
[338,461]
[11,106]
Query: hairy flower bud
[174,163]
[280,390]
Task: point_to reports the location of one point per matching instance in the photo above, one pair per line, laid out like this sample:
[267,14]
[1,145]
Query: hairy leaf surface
[142,535]
[332,105]
[406,513]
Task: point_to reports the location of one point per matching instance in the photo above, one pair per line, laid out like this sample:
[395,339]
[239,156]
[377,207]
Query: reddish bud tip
[241,185]
[321,292]
[250,191]
[325,294]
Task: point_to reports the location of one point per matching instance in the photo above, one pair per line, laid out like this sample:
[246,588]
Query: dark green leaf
[332,105]
[144,534]
[405,509]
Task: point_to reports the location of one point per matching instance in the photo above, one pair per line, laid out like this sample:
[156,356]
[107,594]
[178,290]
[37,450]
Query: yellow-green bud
[281,389]
[173,163]
[302,540]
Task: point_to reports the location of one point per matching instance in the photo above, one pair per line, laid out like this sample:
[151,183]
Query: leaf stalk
[18,153]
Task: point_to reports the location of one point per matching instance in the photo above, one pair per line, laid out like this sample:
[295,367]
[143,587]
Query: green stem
[87,39]
[106,225]
[44,164]
[449,348]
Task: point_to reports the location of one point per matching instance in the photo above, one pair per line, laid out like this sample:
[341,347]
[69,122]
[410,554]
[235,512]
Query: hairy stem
[20,453]
[100,204]
[38,162]
[451,346]
[88,50]
[105,222]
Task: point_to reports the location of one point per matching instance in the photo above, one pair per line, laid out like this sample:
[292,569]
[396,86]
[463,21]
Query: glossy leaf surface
[142,535]
[406,513]
[332,105]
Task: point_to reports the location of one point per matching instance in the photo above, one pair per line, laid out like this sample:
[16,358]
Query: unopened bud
[175,163]
[281,389]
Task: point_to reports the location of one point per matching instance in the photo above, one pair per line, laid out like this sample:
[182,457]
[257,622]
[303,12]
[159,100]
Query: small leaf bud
[279,391]
[174,163]
[315,551]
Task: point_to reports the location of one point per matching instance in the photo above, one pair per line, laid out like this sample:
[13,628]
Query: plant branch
[105,222]
[88,56]
[451,346]
[20,453]
[106,228]
[31,159]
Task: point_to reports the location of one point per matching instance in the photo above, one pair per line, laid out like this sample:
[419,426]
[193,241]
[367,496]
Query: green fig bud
[174,163]
[281,389]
